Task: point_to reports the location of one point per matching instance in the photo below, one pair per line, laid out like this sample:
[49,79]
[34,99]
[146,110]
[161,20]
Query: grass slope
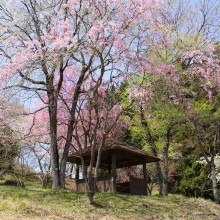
[33,202]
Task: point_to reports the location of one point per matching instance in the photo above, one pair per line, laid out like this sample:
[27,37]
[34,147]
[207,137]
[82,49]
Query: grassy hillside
[33,202]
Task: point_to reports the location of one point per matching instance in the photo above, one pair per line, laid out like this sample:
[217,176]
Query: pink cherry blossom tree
[52,49]
[98,119]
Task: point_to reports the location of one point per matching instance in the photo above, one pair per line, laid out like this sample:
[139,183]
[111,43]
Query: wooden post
[109,167]
[145,176]
[77,172]
[114,173]
[77,176]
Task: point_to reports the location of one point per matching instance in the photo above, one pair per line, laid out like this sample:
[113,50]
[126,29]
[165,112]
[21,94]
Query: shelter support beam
[77,177]
[114,171]
[77,172]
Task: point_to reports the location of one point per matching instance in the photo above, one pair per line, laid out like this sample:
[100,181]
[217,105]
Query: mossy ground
[33,202]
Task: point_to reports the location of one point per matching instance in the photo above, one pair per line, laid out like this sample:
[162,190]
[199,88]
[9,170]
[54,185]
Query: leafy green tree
[8,150]
[195,181]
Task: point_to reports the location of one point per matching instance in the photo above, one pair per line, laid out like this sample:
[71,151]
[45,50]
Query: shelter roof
[125,155]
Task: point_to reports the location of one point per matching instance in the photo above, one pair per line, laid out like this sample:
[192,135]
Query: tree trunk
[53,139]
[158,171]
[145,178]
[150,140]
[90,198]
[45,178]
[158,168]
[63,172]
[90,188]
[214,184]
[55,163]
[165,163]
[71,127]
[90,178]
[165,172]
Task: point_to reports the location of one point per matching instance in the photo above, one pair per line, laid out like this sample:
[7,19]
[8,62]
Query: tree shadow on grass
[141,205]
[99,206]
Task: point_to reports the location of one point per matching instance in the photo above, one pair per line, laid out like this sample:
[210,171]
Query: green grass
[33,202]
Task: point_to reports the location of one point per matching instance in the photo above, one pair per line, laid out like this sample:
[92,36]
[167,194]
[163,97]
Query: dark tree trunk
[165,172]
[71,127]
[54,153]
[145,178]
[90,198]
[90,179]
[158,170]
[63,171]
[90,188]
[52,109]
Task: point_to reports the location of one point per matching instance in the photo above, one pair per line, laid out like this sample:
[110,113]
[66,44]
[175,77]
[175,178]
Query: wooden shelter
[115,154]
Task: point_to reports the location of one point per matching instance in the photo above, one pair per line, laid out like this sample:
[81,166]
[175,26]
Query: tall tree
[46,46]
[203,107]
[9,149]
[98,120]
